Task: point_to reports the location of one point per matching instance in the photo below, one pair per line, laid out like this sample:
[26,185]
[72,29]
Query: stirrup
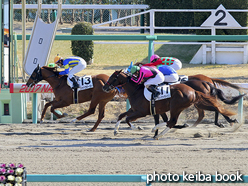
[75,86]
[156,94]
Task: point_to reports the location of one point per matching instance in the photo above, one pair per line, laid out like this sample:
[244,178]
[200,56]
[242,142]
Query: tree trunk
[92,17]
[110,17]
[118,16]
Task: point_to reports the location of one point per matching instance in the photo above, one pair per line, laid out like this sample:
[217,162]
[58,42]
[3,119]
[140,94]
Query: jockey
[151,75]
[170,75]
[166,68]
[75,63]
[175,63]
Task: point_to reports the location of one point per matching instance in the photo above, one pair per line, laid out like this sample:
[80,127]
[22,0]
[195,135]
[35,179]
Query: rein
[39,77]
[117,75]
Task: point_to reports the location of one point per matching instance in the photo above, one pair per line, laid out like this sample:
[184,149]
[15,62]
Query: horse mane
[52,69]
[139,86]
[139,64]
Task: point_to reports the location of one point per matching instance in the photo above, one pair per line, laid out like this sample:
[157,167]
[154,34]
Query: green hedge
[172,18]
[82,49]
[240,17]
[196,18]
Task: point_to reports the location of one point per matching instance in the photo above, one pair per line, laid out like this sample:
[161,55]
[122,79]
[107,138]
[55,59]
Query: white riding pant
[171,78]
[159,78]
[79,67]
[177,65]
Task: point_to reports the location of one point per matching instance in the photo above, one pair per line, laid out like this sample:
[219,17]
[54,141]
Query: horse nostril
[105,89]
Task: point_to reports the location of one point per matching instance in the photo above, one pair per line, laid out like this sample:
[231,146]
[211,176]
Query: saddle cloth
[164,93]
[164,89]
[84,82]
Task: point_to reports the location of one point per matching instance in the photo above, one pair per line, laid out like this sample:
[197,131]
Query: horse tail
[232,101]
[226,84]
[220,94]
[209,101]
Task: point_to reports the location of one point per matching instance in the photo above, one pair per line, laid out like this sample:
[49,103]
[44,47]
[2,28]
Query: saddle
[164,90]
[84,82]
[164,94]
[183,78]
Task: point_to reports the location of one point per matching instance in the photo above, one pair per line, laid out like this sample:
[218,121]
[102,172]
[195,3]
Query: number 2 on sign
[218,22]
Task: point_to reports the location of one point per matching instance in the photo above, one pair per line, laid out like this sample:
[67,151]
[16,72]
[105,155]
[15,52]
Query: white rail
[82,6]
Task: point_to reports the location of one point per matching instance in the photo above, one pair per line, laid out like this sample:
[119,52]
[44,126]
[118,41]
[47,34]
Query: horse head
[35,77]
[41,73]
[118,78]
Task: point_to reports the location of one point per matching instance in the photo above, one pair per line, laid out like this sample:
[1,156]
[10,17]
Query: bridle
[111,86]
[38,77]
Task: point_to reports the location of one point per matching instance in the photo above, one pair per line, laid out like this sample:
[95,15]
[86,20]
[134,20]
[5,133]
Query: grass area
[110,57]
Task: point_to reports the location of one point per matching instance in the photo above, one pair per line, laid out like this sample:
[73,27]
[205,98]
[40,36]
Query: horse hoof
[73,121]
[65,114]
[41,121]
[185,125]
[220,125]
[115,133]
[139,128]
[155,137]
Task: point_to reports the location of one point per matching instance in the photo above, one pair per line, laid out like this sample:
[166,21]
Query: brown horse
[207,89]
[64,94]
[182,96]
[210,90]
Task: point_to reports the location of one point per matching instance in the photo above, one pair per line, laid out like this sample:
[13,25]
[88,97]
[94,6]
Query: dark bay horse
[208,89]
[64,94]
[220,95]
[182,96]
[216,83]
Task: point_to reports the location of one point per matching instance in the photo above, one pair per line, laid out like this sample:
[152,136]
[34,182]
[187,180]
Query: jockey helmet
[153,57]
[57,58]
[135,69]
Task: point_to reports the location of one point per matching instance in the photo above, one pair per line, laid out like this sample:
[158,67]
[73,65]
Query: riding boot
[152,88]
[75,84]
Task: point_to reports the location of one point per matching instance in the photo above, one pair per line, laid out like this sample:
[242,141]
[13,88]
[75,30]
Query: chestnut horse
[64,94]
[182,96]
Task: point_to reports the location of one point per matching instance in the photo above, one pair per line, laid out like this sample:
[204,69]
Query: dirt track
[65,148]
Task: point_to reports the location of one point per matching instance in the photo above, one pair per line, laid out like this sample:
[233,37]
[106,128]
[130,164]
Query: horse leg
[44,110]
[90,111]
[201,115]
[131,116]
[171,123]
[122,115]
[100,115]
[58,104]
[156,119]
[164,117]
[129,123]
[216,120]
[52,110]
[159,126]
[229,120]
